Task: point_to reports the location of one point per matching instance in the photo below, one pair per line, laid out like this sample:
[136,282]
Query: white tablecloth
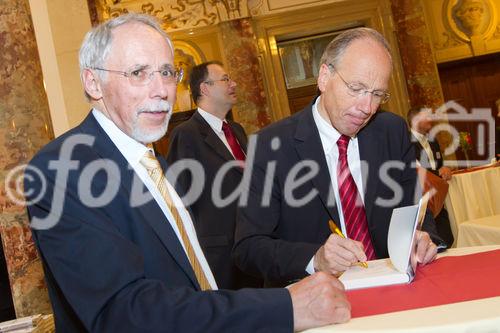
[481,315]
[483,231]
[473,195]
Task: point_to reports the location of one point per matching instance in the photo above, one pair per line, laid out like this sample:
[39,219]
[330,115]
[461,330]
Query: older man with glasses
[119,248]
[338,160]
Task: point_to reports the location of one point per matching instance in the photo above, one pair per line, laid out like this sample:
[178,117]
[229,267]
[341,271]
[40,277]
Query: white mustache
[161,106]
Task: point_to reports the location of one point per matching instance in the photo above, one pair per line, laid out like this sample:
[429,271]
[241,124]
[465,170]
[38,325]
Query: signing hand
[426,249]
[338,254]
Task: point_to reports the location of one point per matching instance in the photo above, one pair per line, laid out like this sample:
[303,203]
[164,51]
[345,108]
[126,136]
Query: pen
[336,230]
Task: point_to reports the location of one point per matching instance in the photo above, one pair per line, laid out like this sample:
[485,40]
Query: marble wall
[24,129]
[419,64]
[241,52]
[422,77]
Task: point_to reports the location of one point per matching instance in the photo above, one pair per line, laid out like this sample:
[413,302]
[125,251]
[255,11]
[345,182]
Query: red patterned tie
[233,142]
[352,206]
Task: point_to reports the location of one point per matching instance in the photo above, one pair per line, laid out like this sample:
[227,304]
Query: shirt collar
[418,135]
[327,133]
[213,121]
[132,150]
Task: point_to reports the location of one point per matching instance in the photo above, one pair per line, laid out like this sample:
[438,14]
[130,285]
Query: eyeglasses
[142,77]
[225,79]
[358,90]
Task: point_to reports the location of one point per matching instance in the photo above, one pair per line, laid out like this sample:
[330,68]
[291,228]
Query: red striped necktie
[233,142]
[352,206]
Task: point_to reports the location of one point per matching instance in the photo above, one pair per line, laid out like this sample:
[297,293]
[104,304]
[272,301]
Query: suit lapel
[211,138]
[308,146]
[370,154]
[152,213]
[213,141]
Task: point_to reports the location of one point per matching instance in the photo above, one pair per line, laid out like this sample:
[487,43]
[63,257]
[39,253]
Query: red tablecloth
[446,280]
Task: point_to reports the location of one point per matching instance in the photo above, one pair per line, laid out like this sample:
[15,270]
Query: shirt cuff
[310,266]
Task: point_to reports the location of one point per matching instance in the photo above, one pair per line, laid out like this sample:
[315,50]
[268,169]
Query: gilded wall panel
[192,48]
[24,129]
[265,7]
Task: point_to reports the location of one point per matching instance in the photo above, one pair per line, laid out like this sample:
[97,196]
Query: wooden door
[473,83]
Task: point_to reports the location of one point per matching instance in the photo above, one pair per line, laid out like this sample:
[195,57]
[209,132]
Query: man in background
[430,157]
[213,140]
[119,249]
[338,159]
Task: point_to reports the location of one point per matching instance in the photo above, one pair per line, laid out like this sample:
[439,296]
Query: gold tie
[152,165]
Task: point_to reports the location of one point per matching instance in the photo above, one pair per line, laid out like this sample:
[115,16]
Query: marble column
[422,77]
[24,129]
[241,52]
[419,65]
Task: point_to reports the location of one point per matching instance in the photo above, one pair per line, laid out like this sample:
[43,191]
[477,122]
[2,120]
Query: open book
[401,265]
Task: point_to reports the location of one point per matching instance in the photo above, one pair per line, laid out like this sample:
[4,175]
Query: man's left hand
[426,249]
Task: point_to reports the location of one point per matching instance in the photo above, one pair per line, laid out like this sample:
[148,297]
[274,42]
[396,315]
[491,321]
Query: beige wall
[60,26]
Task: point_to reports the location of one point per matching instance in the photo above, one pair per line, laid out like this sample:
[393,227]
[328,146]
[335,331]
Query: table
[483,231]
[473,195]
[481,315]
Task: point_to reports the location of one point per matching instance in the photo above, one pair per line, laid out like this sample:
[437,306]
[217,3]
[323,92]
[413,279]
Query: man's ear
[323,77]
[91,84]
[204,89]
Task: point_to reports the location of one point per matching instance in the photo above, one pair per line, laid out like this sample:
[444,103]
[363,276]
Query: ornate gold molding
[173,14]
[256,7]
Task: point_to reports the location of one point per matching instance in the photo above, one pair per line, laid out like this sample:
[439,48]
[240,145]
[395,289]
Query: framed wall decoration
[300,58]
[471,18]
[186,56]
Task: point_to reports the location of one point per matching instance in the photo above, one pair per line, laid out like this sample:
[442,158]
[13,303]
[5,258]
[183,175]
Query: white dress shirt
[133,152]
[424,142]
[216,125]
[329,137]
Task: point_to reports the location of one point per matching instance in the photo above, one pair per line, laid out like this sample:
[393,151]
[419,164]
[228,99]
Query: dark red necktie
[233,142]
[352,206]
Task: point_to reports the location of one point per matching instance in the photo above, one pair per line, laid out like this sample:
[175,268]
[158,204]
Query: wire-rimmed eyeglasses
[225,79]
[358,90]
[142,77]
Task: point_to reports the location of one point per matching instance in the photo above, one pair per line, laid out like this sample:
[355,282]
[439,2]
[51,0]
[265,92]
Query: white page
[400,236]
[380,272]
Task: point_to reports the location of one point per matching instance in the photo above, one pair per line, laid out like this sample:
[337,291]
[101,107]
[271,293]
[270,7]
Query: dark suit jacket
[442,219]
[195,139]
[119,267]
[422,156]
[279,238]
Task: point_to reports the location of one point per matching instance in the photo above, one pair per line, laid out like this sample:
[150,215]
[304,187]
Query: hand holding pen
[338,254]
[336,230]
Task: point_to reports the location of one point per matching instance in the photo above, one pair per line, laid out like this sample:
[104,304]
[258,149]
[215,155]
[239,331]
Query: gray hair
[335,50]
[97,42]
